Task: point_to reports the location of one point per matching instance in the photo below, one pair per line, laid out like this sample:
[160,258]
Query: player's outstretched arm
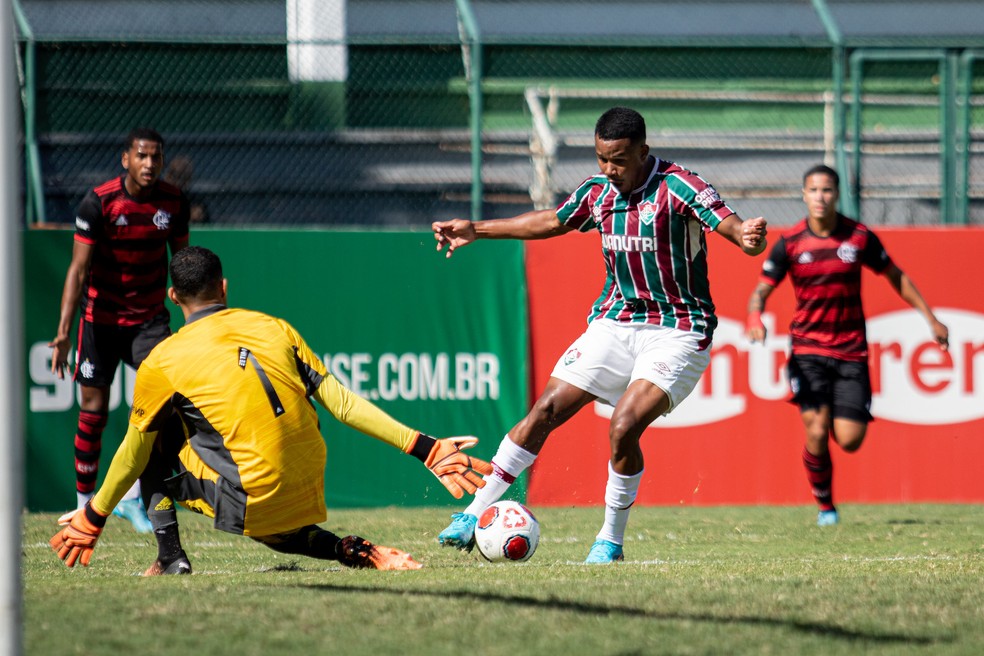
[538,224]
[907,290]
[457,471]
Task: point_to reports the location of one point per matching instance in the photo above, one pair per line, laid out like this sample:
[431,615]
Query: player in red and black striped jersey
[828,367]
[117,278]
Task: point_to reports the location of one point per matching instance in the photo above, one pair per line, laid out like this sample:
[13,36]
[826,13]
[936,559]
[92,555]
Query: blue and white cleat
[132,510]
[604,552]
[460,534]
[827,518]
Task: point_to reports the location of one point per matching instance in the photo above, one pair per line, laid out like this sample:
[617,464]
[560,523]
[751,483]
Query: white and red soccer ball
[507,531]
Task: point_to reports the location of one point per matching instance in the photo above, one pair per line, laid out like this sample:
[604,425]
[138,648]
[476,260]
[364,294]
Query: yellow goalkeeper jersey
[242,383]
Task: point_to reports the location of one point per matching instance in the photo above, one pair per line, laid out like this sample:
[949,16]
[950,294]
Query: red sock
[88,445]
[820,474]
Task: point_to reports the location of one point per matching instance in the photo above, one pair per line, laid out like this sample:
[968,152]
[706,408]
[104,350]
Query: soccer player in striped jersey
[117,277]
[649,332]
[828,367]
[226,406]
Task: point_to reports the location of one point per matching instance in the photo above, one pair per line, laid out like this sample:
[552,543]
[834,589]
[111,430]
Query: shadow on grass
[554,603]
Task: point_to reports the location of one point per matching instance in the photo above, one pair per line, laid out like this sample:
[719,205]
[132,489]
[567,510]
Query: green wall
[439,344]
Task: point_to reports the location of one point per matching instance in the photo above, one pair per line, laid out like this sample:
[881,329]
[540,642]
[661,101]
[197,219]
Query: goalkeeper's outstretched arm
[457,471]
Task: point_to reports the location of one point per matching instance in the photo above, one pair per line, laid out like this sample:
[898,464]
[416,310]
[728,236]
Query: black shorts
[102,347]
[841,385]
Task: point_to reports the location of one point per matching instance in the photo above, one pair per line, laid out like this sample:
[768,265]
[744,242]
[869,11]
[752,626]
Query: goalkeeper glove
[456,470]
[354,551]
[76,541]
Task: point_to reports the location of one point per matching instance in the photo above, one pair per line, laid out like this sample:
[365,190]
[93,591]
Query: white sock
[81,498]
[620,494]
[133,492]
[507,464]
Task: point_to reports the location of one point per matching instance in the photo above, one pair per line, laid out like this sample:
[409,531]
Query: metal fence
[361,113]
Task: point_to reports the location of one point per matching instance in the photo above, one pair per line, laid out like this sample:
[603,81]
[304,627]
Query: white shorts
[610,355]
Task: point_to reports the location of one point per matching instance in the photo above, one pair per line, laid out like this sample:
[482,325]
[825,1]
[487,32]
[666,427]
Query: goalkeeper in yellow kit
[222,423]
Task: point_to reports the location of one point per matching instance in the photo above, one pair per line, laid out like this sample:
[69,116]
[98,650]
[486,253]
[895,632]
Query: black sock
[168,544]
[312,541]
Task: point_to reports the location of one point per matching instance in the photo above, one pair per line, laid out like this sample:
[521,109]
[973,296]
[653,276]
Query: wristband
[754,319]
[94,518]
[422,447]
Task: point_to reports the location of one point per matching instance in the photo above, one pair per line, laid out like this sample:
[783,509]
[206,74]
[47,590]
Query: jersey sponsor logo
[628,243]
[81,223]
[912,380]
[596,213]
[243,356]
[806,257]
[162,220]
[647,213]
[848,253]
[121,220]
[708,197]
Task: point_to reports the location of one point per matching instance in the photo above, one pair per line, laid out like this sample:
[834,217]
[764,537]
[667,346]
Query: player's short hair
[196,272]
[621,123]
[142,134]
[825,170]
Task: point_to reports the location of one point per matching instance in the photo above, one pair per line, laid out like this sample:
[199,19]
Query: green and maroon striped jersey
[653,245]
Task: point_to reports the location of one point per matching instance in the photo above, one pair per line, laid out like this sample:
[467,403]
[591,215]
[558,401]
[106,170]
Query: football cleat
[827,518]
[460,534]
[132,510]
[604,552]
[179,566]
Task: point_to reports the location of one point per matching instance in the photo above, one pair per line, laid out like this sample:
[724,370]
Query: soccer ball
[507,531]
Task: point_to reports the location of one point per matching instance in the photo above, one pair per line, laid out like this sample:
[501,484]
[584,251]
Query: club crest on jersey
[848,253]
[571,356]
[647,213]
[162,220]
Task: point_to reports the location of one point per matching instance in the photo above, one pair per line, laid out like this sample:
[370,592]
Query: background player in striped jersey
[828,368]
[649,332]
[226,405]
[117,277]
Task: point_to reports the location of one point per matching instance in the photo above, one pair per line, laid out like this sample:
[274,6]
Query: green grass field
[890,579]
